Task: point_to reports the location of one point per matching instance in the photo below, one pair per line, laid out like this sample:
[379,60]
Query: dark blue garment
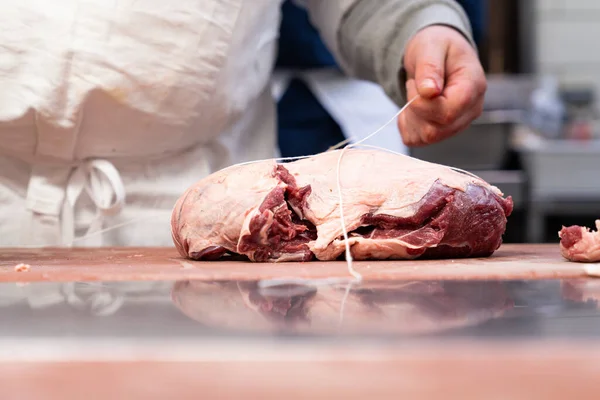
[304,126]
[300,45]
[476,10]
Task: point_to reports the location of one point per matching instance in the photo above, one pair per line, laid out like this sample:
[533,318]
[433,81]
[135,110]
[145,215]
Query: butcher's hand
[444,69]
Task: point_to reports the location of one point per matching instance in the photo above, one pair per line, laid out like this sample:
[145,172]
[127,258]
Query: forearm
[370,35]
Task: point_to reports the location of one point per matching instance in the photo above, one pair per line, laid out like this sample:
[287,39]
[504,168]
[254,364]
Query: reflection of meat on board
[384,307]
[581,290]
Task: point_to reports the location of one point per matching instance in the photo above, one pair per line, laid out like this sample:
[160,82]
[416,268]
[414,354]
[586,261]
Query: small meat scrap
[22,267]
[580,244]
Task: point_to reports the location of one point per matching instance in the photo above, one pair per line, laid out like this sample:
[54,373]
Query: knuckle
[466,101]
[450,131]
[408,141]
[481,87]
[432,68]
[429,134]
[448,117]
[404,134]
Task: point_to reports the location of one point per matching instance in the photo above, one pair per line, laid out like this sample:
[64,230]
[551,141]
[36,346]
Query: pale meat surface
[395,207]
[580,244]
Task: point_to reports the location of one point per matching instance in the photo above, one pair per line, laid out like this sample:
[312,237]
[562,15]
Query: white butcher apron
[110,109]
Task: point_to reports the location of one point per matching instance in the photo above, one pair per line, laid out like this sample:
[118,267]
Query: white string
[429,162]
[343,305]
[340,144]
[351,270]
[270,160]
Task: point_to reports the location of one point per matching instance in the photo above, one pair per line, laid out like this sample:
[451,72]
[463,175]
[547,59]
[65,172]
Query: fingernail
[429,86]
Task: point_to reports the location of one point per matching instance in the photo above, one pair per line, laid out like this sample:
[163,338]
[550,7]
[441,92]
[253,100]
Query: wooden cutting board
[511,261]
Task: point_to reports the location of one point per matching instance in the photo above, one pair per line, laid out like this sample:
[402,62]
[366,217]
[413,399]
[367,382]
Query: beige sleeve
[368,37]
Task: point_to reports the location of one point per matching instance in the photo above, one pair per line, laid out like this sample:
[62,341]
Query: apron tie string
[102,182]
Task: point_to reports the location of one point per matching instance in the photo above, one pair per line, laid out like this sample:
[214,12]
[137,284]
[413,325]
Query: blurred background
[538,138]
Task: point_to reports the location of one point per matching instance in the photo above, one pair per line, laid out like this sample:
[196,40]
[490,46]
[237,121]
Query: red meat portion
[284,223]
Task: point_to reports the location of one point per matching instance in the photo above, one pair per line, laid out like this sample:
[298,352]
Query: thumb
[429,69]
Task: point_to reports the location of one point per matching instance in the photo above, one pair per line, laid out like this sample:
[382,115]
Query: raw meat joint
[395,207]
[580,244]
